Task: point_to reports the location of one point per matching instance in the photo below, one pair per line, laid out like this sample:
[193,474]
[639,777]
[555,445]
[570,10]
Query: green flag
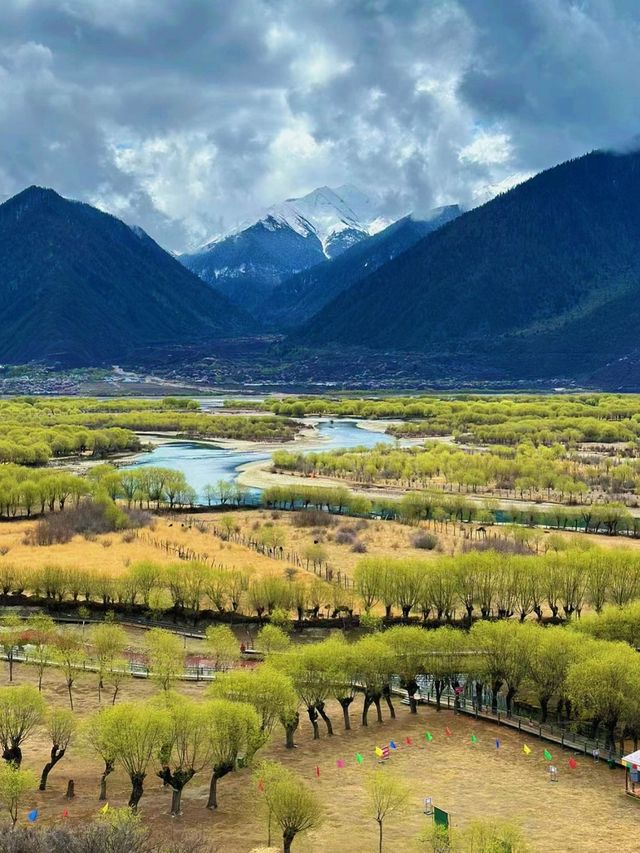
[474,739]
[428,736]
[547,755]
[359,758]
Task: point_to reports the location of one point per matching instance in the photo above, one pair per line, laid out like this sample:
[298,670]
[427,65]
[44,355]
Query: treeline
[536,473]
[25,491]
[439,510]
[590,681]
[542,419]
[460,589]
[34,430]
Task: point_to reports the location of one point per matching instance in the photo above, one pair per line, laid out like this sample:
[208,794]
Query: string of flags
[384,752]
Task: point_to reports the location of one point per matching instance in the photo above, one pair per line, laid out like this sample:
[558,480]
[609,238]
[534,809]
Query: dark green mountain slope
[303,295]
[79,287]
[541,281]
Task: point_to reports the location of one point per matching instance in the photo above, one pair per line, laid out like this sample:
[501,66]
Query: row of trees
[437,508]
[543,419]
[592,681]
[559,584]
[523,472]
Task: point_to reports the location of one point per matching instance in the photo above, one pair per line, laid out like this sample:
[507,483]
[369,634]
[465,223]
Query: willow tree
[376,664]
[21,711]
[60,726]
[294,808]
[187,748]
[234,736]
[387,796]
[409,647]
[269,691]
[166,656]
[135,734]
[108,642]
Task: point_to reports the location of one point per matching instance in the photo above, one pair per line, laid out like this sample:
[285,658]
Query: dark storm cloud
[188,116]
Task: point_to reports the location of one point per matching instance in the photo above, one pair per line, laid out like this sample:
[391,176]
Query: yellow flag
[379,752]
[104,809]
[526,749]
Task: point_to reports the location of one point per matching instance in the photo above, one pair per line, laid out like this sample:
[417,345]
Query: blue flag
[497,744]
[32,816]
[392,745]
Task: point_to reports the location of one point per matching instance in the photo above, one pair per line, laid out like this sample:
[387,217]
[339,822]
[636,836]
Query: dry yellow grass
[585,811]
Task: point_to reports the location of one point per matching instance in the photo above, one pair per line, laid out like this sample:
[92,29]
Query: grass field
[586,810]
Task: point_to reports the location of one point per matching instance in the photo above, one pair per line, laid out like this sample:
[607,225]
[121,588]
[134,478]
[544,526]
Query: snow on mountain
[247,262]
[325,213]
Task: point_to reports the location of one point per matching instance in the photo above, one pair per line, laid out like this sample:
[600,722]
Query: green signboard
[440,817]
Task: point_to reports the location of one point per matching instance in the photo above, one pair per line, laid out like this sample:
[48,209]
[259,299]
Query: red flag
[317,771]
[573,763]
[65,813]
[408,741]
[385,752]
[261,785]
[448,732]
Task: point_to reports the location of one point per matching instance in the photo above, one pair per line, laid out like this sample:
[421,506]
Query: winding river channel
[205,463]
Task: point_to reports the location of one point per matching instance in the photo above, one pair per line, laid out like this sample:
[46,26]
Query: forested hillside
[541,281]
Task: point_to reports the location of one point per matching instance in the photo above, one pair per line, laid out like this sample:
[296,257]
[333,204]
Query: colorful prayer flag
[573,763]
[428,736]
[408,741]
[497,744]
[378,752]
[317,771]
[340,762]
[547,755]
[32,815]
[65,813]
[392,744]
[526,749]
[359,758]
[385,752]
[448,732]
[104,809]
[474,739]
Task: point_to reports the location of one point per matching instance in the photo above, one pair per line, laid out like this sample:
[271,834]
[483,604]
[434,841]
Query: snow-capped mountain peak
[338,218]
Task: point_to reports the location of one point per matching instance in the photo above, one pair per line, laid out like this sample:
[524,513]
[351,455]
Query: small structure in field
[631,764]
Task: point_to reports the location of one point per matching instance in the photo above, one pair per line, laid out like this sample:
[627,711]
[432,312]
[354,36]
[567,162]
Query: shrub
[89,519]
[359,547]
[312,518]
[424,541]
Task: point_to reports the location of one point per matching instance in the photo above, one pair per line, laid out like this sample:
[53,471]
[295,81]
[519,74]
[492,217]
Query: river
[204,464]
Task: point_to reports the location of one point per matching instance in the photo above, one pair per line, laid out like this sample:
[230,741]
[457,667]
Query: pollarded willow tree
[222,647]
[293,806]
[269,691]
[188,747]
[97,733]
[135,733]
[109,642]
[234,736]
[166,656]
[60,725]
[21,711]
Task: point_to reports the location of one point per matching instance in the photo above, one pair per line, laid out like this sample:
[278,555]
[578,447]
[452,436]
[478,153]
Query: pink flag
[340,762]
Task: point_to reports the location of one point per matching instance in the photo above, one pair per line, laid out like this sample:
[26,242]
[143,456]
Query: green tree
[15,783]
[60,726]
[234,735]
[21,711]
[108,642]
[386,796]
[222,647]
[135,734]
[187,749]
[166,656]
[294,807]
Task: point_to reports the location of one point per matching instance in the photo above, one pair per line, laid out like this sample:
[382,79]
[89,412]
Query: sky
[189,116]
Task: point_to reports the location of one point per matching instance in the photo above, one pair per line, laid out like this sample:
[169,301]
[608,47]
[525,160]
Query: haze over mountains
[542,282]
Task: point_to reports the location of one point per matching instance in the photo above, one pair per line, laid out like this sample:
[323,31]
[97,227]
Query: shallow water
[204,464]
